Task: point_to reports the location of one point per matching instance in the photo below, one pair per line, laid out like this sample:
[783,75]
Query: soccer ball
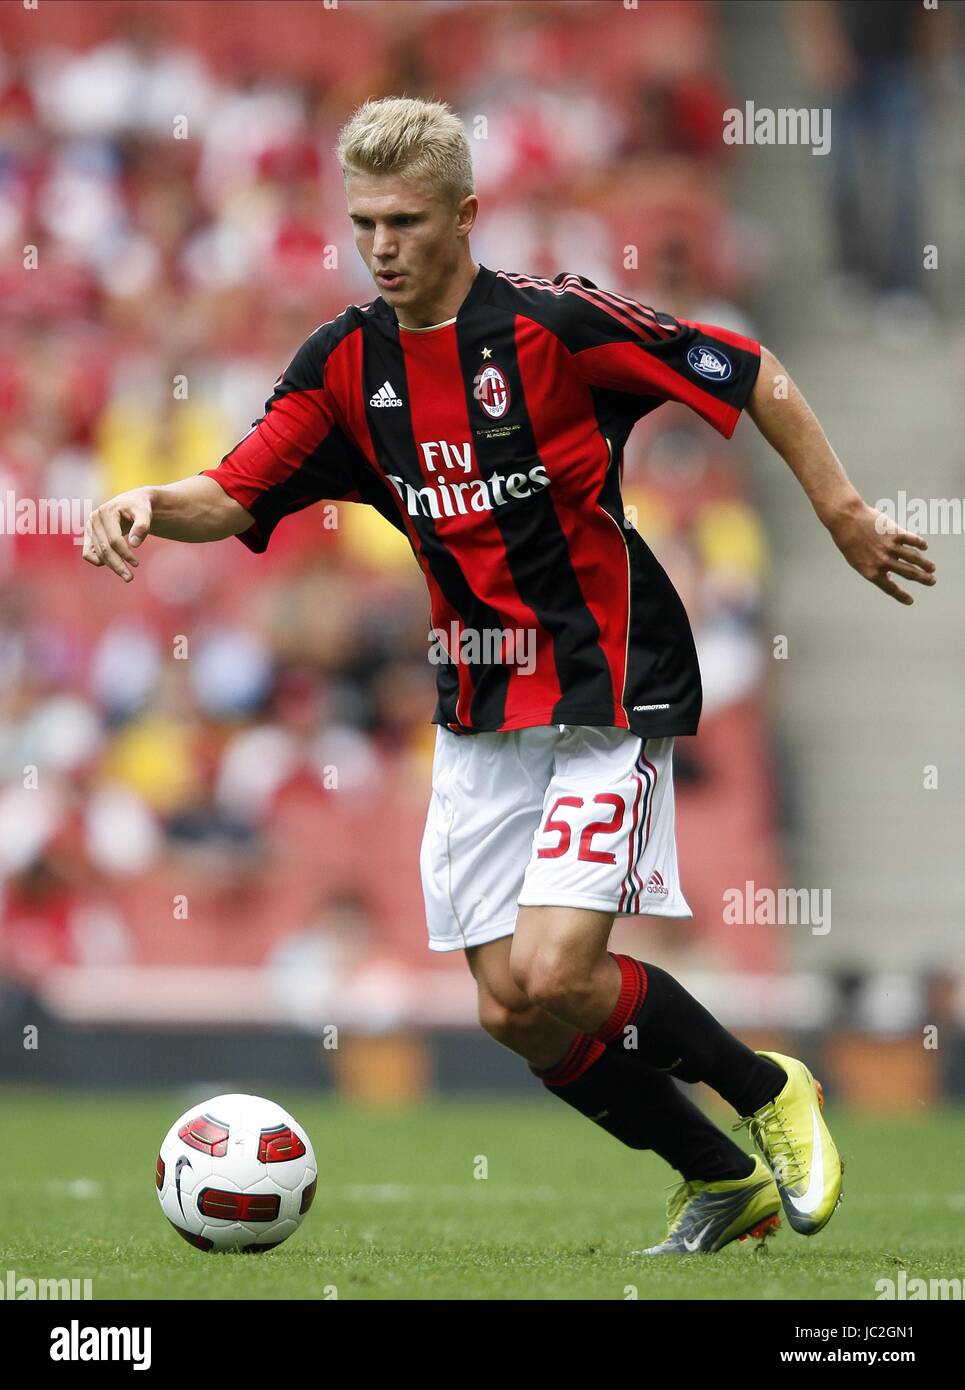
[236,1173]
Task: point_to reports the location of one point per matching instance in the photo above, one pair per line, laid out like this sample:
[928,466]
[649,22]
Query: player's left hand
[877,548]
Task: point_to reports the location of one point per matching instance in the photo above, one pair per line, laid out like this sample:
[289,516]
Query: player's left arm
[621,345]
[870,541]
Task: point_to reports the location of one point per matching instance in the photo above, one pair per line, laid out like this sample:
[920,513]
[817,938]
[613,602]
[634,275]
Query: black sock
[645,1109]
[669,1030]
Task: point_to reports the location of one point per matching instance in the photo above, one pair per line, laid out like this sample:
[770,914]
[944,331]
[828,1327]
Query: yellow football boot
[702,1217]
[791,1134]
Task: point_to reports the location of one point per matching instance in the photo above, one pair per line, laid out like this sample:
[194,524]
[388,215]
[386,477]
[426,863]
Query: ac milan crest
[491,391]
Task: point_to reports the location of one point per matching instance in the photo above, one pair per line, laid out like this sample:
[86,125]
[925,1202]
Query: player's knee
[553,981]
[507,1025]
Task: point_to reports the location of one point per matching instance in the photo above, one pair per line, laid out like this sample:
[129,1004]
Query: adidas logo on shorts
[385,396]
[655,884]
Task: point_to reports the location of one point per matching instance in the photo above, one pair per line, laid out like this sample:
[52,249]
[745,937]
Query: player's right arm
[193,509]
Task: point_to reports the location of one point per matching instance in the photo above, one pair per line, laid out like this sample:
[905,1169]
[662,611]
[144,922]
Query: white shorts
[567,815]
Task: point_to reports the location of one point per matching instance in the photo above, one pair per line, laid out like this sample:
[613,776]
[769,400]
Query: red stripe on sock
[633,991]
[583,1052]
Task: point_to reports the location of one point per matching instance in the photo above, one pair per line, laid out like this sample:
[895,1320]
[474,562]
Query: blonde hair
[422,140]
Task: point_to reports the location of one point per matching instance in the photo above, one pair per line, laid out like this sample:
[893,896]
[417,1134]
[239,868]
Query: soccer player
[484,414]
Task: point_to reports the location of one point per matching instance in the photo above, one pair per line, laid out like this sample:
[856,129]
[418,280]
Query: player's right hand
[115,528]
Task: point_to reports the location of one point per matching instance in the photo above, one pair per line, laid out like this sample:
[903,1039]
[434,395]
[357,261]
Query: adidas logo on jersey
[655,884]
[385,396]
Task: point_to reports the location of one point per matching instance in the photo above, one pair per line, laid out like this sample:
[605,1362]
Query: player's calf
[529,1032]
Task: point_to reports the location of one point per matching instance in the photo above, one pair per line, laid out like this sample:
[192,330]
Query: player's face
[411,240]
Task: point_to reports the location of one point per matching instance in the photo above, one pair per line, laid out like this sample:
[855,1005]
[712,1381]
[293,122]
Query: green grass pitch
[401,1214]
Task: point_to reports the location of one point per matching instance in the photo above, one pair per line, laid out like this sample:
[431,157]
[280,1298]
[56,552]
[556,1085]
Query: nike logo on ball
[181,1163]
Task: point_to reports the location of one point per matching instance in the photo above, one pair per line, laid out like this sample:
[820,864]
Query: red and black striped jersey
[495,443]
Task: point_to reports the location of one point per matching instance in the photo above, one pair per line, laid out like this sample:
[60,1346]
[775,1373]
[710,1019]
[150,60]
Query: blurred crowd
[227,762]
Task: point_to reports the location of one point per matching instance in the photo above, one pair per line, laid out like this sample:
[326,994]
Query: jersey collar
[478,293]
